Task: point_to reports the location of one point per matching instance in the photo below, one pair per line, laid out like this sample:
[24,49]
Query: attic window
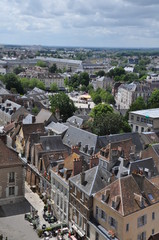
[150,197]
[113,204]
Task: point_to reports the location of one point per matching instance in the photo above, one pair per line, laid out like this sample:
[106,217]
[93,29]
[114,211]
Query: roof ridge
[94,178]
[121,196]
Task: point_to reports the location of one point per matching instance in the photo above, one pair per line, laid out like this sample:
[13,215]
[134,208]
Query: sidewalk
[36,202]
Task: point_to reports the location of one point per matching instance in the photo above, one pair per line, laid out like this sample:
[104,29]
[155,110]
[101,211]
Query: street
[12,222]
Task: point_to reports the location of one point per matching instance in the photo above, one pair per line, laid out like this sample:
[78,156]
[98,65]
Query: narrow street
[12,222]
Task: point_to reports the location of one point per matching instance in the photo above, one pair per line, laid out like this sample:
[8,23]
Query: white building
[144,120]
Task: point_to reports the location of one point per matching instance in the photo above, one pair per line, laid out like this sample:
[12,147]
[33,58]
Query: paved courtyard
[12,222]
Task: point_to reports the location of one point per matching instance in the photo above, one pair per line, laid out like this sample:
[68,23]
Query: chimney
[33,119]
[94,161]
[82,174]
[75,149]
[77,166]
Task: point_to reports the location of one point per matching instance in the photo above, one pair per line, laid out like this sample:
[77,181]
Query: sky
[83,23]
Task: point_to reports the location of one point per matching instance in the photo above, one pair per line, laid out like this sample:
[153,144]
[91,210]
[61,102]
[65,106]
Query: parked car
[44,226]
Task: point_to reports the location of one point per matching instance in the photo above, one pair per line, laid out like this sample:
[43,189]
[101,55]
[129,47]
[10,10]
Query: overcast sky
[101,23]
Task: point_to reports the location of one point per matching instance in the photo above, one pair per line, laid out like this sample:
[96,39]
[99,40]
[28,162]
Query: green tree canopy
[31,83]
[138,104]
[53,68]
[12,82]
[41,63]
[54,87]
[79,79]
[153,101]
[18,70]
[64,104]
[100,109]
[100,73]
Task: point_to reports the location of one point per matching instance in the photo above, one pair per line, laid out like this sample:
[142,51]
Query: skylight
[150,197]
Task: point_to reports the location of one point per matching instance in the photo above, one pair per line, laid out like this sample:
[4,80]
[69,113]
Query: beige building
[12,176]
[144,120]
[127,209]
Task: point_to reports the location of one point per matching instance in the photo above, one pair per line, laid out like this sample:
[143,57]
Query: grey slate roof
[120,137]
[96,178]
[144,165]
[50,143]
[76,136]
[76,121]
[156,148]
[57,128]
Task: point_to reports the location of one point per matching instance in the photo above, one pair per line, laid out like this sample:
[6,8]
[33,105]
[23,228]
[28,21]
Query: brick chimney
[75,149]
[77,166]
[82,174]
[94,161]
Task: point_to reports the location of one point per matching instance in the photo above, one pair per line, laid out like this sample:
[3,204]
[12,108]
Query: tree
[64,104]
[107,123]
[153,101]
[53,68]
[100,73]
[41,64]
[138,104]
[35,110]
[84,78]
[100,109]
[12,82]
[34,82]
[54,87]
[96,98]
[18,70]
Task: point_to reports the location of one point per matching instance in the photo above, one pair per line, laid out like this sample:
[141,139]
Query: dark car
[44,226]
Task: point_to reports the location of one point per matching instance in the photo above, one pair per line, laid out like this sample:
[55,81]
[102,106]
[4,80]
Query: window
[113,204]
[113,222]
[141,221]
[127,227]
[58,199]
[75,191]
[96,212]
[11,177]
[61,204]
[97,236]
[136,128]
[11,191]
[138,119]
[82,196]
[103,215]
[88,230]
[153,231]
[64,206]
[53,181]
[141,236]
[153,215]
[80,220]
[132,117]
[150,197]
[142,129]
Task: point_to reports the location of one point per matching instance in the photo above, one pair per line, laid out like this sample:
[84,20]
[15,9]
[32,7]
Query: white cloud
[127,23]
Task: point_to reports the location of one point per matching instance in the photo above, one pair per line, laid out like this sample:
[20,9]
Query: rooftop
[152,113]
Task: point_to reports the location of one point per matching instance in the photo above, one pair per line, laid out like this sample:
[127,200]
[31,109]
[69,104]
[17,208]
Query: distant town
[79,143]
